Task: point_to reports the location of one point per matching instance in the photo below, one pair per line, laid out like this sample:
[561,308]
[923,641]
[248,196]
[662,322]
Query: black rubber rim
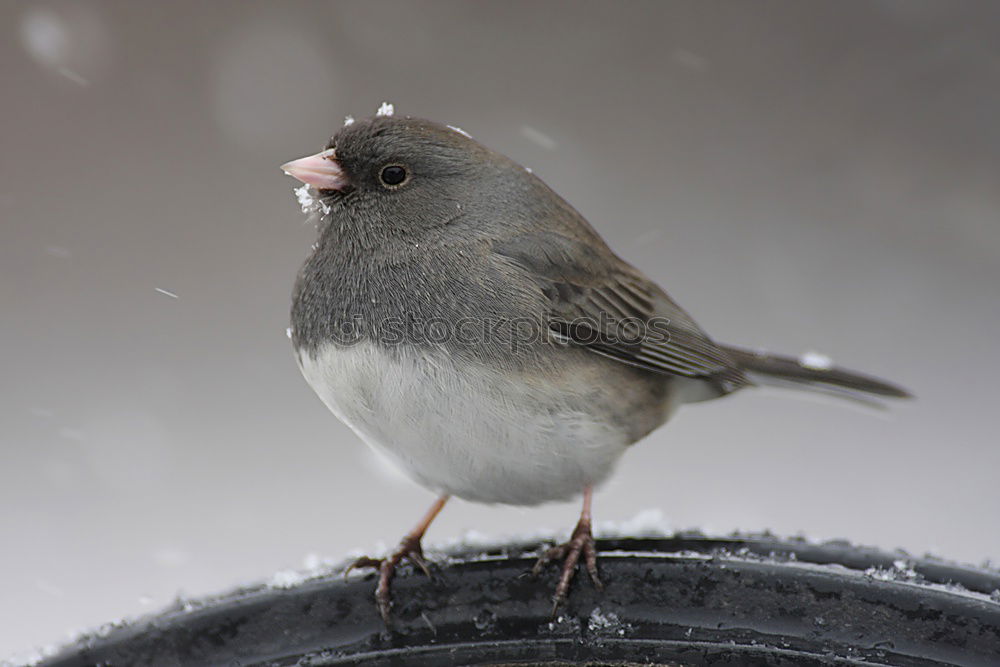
[682,600]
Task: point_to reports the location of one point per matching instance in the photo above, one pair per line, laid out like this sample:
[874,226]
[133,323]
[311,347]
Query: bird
[468,323]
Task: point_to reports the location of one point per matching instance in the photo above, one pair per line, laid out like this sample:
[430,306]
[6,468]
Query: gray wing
[599,302]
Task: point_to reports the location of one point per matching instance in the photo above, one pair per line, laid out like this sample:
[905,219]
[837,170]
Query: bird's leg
[409,548]
[581,542]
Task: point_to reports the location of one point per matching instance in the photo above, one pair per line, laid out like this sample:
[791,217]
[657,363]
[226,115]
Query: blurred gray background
[799,175]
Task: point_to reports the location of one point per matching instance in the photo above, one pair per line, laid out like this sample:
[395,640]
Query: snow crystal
[485,620]
[538,137]
[606,623]
[167,293]
[348,120]
[288,332]
[386,109]
[308,203]
[901,570]
[460,131]
[305,198]
[816,361]
[564,626]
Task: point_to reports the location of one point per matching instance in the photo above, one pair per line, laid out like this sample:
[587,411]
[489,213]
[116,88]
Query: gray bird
[467,322]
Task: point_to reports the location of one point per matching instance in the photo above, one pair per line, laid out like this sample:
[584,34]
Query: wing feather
[594,297]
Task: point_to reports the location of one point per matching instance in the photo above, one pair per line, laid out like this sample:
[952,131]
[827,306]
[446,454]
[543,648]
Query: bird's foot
[581,543]
[410,549]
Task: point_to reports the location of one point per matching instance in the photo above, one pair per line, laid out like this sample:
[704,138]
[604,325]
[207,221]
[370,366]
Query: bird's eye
[393,175]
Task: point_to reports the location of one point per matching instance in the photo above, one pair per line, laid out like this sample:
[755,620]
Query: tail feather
[812,372]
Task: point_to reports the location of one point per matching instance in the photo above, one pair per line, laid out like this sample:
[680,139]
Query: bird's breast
[480,433]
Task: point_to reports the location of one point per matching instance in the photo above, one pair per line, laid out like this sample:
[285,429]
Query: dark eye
[393,175]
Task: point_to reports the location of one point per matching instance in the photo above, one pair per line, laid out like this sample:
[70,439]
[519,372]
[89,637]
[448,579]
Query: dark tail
[812,372]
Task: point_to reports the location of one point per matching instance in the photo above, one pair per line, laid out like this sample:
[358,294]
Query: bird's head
[390,174]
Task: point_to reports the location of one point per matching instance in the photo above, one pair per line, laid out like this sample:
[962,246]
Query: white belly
[475,435]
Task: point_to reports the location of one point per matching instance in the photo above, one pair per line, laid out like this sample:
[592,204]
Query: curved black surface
[683,600]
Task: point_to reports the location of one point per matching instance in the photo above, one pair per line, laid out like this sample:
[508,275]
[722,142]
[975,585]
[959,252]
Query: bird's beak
[321,170]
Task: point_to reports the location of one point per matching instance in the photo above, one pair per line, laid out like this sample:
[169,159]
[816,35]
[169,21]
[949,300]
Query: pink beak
[320,171]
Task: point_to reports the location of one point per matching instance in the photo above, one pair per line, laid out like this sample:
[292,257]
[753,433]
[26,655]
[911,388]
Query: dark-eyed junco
[465,320]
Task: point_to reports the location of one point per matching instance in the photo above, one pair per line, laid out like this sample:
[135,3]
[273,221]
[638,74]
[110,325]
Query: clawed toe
[409,548]
[362,563]
[581,543]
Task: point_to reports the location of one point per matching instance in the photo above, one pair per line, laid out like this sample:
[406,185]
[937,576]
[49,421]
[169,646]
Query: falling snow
[538,137]
[58,251]
[73,76]
[66,41]
[46,37]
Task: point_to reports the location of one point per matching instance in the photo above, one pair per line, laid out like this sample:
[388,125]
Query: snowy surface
[648,523]
[901,570]
[147,442]
[313,567]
